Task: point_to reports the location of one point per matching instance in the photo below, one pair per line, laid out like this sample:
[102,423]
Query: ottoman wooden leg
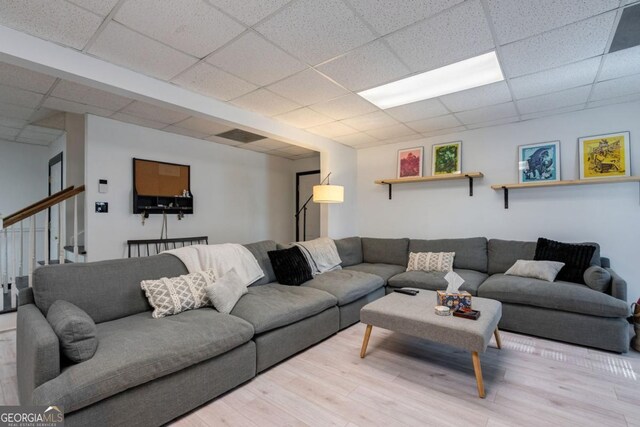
[367,334]
[497,334]
[478,371]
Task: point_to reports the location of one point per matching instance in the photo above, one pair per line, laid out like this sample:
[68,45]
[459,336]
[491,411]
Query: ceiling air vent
[628,32]
[240,136]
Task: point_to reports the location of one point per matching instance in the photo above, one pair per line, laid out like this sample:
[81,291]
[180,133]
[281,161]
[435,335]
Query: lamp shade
[328,193]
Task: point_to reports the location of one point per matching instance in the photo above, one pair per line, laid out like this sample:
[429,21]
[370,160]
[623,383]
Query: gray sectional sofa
[148,371]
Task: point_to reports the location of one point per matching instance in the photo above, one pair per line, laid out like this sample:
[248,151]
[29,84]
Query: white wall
[608,214]
[239,195]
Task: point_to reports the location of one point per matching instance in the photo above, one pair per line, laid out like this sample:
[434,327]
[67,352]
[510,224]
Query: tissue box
[454,301]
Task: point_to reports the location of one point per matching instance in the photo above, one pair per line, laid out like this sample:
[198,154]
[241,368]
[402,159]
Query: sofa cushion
[504,253]
[431,261]
[350,250]
[225,292]
[386,271]
[137,349]
[173,295]
[290,266]
[105,290]
[471,253]
[434,280]
[543,270]
[576,258]
[272,306]
[259,251]
[385,251]
[75,330]
[558,295]
[346,285]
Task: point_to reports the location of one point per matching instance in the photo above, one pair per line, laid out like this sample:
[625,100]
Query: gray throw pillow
[597,278]
[225,292]
[75,330]
[543,270]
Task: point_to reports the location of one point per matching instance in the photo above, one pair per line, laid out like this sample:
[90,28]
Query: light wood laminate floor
[407,381]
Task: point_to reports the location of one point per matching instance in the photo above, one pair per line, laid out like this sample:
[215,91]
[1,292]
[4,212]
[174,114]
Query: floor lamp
[323,193]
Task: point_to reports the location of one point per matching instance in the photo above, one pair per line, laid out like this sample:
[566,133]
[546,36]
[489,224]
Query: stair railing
[12,228]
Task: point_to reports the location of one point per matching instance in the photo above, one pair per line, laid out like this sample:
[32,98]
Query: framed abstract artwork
[604,156]
[539,162]
[446,158]
[410,162]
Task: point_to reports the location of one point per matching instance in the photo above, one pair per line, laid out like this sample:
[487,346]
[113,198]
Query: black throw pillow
[290,266]
[576,258]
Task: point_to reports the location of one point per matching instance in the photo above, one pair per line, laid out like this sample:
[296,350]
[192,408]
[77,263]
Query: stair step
[55,262]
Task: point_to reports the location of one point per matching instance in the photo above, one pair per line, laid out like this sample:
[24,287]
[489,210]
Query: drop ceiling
[302,61]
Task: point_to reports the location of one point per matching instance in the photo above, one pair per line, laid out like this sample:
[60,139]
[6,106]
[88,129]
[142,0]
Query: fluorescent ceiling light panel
[473,72]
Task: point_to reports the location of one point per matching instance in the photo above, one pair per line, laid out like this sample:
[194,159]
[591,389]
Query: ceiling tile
[332,130]
[344,107]
[445,131]
[74,107]
[52,119]
[100,7]
[207,127]
[434,123]
[256,60]
[620,63]
[12,123]
[316,31]
[303,118]
[554,112]
[565,45]
[15,112]
[365,67]
[88,95]
[555,100]
[494,123]
[19,77]
[42,129]
[264,102]
[191,26]
[253,147]
[55,20]
[395,131]
[386,16]
[127,118]
[518,19]
[456,34]
[38,136]
[618,100]
[418,110]
[8,132]
[615,88]
[271,144]
[223,141]
[370,121]
[295,150]
[120,45]
[249,11]
[495,93]
[355,139]
[151,112]
[556,79]
[308,87]
[487,114]
[212,81]
[186,132]
[20,97]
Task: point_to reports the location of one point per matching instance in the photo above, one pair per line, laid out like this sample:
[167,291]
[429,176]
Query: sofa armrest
[38,351]
[618,285]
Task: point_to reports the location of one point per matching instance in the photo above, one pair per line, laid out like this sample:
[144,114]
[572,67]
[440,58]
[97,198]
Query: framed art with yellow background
[604,156]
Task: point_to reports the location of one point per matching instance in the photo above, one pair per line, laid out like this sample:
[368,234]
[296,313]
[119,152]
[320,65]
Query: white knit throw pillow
[431,261]
[174,295]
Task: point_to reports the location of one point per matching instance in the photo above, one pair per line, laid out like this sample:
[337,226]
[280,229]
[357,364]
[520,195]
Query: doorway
[309,229]
[56,181]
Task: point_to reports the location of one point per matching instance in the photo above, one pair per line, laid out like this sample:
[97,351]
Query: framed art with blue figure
[539,162]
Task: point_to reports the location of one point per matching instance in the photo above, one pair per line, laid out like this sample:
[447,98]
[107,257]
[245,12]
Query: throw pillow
[290,266]
[75,330]
[576,258]
[543,270]
[597,278]
[174,295]
[225,292]
[431,261]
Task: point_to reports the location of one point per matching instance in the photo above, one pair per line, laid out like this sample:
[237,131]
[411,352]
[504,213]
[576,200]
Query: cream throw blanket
[321,254]
[220,258]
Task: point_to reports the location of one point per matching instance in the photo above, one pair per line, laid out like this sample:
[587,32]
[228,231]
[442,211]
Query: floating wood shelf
[448,177]
[507,187]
